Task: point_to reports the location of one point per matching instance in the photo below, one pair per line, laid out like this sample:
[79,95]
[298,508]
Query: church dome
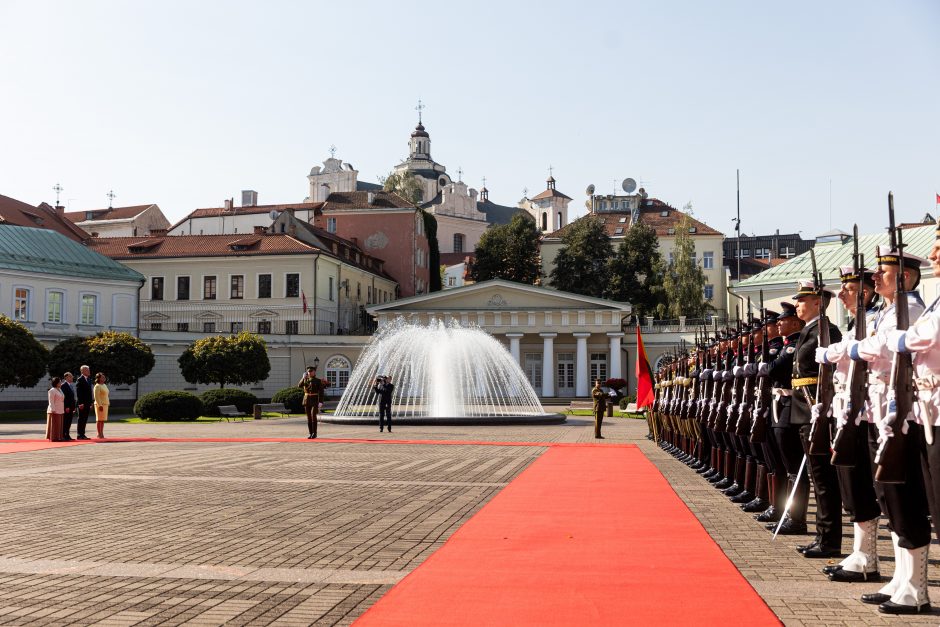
[419,131]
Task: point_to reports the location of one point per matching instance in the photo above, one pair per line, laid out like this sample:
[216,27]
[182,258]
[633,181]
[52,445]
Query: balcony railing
[201,317]
[680,325]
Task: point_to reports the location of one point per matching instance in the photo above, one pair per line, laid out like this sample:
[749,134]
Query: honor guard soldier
[905,503]
[765,482]
[313,393]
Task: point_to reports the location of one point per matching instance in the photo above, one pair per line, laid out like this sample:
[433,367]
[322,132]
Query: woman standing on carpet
[102,402]
[54,411]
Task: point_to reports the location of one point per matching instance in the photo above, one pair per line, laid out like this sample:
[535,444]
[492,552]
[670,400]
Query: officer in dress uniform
[856,482]
[764,497]
[313,393]
[905,504]
[822,474]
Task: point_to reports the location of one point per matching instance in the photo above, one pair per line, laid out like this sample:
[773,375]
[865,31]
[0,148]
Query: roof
[651,214]
[176,246]
[365,186]
[452,259]
[830,255]
[215,212]
[18,213]
[344,201]
[43,251]
[550,193]
[323,236]
[498,214]
[111,213]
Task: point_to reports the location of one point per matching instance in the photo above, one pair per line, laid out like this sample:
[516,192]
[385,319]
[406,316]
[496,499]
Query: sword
[786,508]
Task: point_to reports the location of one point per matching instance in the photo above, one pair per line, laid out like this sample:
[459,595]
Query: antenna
[274,214]
[590,190]
[628,185]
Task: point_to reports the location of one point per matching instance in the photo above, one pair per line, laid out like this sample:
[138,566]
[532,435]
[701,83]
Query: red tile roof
[19,213]
[650,214]
[175,246]
[210,212]
[114,213]
[452,259]
[344,201]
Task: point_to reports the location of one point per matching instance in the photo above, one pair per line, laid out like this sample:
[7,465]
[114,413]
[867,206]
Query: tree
[636,271]
[684,280]
[509,251]
[581,265]
[406,185]
[434,250]
[234,359]
[24,361]
[122,357]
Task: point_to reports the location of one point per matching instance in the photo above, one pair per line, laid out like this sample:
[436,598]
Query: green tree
[122,357]
[226,359]
[434,250]
[24,358]
[636,271]
[406,185]
[582,263]
[684,280]
[509,251]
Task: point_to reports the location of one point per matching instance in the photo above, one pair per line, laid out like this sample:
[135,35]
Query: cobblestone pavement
[299,533]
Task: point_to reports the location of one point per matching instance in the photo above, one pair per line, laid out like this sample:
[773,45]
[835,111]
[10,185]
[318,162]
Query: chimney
[354,240]
[94,234]
[249,198]
[60,210]
[260,230]
[371,198]
[228,204]
[156,233]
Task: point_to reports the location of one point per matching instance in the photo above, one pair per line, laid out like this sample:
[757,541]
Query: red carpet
[41,444]
[584,536]
[22,446]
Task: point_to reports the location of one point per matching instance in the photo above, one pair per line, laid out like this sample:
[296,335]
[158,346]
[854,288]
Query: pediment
[263,313]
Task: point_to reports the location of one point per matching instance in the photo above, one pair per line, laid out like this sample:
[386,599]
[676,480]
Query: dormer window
[693,229]
[89,215]
[618,230]
[671,231]
[664,214]
[622,220]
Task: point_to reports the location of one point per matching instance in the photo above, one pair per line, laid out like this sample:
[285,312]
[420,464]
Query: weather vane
[110,195]
[58,189]
[419,109]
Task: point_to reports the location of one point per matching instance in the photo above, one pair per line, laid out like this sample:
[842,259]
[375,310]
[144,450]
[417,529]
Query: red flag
[644,374]
[304,298]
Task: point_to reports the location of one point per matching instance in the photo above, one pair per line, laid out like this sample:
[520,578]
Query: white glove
[706,374]
[815,411]
[738,372]
[750,370]
[717,375]
[821,355]
[763,370]
[730,411]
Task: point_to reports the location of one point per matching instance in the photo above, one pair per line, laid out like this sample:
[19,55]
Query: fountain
[443,375]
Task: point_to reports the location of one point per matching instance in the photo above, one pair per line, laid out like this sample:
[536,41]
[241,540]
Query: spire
[484,193]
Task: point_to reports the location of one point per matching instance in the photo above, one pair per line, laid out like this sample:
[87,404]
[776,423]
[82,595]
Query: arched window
[458,242]
[560,223]
[337,372]
[544,221]
[662,359]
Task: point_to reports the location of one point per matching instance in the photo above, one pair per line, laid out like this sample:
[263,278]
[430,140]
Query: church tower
[420,144]
[549,208]
[432,176]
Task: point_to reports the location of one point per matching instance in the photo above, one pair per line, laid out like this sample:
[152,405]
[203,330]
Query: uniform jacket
[313,389]
[69,395]
[804,365]
[923,340]
[600,399]
[781,369]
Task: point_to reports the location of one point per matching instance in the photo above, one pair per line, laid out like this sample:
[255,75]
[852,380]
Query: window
[208,288]
[544,221]
[156,326]
[238,286]
[264,286]
[708,260]
[762,253]
[419,224]
[89,309]
[670,231]
[182,288]
[331,288]
[458,242]
[693,229]
[208,327]
[337,372]
[291,327]
[618,230]
[331,225]
[598,367]
[264,326]
[358,291]
[182,326]
[623,219]
[237,327]
[709,292]
[786,252]
[533,370]
[54,308]
[156,288]
[745,253]
[369,294]
[664,214]
[451,281]
[292,285]
[21,304]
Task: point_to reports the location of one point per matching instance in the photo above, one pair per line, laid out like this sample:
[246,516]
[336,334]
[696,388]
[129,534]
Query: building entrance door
[533,371]
[565,375]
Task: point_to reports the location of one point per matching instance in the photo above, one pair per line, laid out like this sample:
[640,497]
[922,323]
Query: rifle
[762,402]
[743,426]
[819,431]
[843,444]
[736,381]
[890,455]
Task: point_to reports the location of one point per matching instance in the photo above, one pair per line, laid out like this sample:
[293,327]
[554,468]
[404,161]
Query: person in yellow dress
[102,401]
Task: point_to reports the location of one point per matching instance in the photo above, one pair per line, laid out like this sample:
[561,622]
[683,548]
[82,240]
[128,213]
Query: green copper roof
[27,249]
[830,256]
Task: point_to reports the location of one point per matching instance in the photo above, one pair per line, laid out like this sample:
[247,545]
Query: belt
[929,382]
[804,381]
[840,388]
[874,377]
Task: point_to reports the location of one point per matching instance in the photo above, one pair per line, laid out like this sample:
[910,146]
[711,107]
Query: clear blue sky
[186,103]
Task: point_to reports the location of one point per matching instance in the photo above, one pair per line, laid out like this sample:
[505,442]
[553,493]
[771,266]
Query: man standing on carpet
[600,405]
[85,397]
[313,393]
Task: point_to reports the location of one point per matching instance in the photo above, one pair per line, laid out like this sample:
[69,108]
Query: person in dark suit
[384,388]
[822,474]
[69,393]
[600,405]
[85,397]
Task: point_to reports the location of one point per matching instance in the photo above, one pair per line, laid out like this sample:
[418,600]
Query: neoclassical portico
[561,340]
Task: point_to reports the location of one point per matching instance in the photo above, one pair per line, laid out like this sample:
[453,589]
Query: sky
[823,106]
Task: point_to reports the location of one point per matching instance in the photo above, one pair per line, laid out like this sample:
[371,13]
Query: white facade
[238,220]
[149,219]
[333,176]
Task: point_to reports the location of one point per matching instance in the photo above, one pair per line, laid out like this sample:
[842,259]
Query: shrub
[168,405]
[211,399]
[293,399]
[626,400]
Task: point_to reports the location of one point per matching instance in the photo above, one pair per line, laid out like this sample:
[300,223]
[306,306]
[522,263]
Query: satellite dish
[628,185]
[590,190]
[274,214]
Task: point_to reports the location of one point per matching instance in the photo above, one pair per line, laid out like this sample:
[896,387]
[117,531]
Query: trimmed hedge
[168,405]
[211,399]
[293,399]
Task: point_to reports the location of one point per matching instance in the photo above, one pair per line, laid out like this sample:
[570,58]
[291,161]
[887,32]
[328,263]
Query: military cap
[789,310]
[888,257]
[848,275]
[770,316]
[806,287]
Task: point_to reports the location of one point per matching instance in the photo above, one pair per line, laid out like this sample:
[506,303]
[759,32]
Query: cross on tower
[419,109]
[550,170]
[57,188]
[484,181]
[525,192]
[332,151]
[110,196]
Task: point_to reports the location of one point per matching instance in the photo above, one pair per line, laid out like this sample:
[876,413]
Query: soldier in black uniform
[771,463]
[828,541]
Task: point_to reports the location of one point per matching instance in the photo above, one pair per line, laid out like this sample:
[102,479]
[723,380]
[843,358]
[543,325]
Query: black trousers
[82,419]
[822,475]
[788,443]
[772,457]
[385,411]
[930,465]
[67,421]
[905,504]
[857,483]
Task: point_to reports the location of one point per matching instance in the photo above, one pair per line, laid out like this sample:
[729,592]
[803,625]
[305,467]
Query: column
[548,363]
[615,358]
[514,345]
[581,387]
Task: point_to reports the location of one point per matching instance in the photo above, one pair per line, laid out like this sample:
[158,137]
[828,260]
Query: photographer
[384,388]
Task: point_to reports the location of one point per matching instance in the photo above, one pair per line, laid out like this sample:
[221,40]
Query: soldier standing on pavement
[313,394]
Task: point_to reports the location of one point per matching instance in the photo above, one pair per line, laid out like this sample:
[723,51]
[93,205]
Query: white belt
[840,388]
[875,378]
[929,382]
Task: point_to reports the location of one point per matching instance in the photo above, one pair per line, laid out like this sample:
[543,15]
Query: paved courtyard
[298,533]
